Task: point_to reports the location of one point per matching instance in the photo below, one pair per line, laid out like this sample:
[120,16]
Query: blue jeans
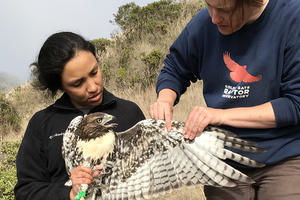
[274,182]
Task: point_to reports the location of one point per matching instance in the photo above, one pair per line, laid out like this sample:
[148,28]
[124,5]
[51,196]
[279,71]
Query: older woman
[247,52]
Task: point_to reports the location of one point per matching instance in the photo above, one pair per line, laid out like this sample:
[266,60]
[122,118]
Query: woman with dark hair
[66,62]
[247,53]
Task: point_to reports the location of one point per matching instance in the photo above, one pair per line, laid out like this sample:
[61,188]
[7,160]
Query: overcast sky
[26,24]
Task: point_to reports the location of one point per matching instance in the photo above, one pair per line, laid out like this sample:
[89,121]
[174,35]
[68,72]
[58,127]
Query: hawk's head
[94,125]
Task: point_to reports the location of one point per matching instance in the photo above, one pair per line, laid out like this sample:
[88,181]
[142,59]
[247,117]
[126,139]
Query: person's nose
[91,86]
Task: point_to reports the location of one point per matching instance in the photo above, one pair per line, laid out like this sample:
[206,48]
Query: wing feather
[151,161]
[68,147]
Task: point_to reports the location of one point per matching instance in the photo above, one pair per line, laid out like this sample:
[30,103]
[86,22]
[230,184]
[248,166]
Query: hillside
[134,58]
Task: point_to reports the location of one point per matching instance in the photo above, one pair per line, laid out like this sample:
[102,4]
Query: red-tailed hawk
[146,160]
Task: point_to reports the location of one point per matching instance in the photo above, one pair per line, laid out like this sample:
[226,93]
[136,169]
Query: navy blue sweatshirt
[257,64]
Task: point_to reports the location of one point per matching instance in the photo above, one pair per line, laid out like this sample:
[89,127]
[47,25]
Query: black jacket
[41,169]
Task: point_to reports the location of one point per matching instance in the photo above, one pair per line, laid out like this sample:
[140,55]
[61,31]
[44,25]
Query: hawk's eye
[98,120]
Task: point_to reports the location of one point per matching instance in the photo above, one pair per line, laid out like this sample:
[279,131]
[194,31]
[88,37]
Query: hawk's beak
[107,118]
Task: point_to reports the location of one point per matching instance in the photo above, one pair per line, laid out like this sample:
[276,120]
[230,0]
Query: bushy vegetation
[8,152]
[9,118]
[101,44]
[21,101]
[152,61]
[135,21]
[134,57]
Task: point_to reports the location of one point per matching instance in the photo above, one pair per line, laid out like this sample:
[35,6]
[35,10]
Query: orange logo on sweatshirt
[239,73]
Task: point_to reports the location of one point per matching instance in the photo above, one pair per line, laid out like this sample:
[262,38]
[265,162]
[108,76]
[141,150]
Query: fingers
[158,110]
[96,173]
[168,118]
[99,167]
[163,111]
[81,175]
[197,120]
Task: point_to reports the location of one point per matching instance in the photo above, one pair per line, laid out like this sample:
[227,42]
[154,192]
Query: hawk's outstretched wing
[148,160]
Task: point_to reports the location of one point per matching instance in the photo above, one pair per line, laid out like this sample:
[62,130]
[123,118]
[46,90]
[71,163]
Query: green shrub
[153,59]
[125,55]
[101,44]
[8,116]
[134,80]
[152,62]
[127,16]
[8,178]
[106,71]
[122,73]
[135,21]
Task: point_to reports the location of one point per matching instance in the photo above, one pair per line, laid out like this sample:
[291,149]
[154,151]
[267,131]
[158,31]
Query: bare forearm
[261,116]
[167,95]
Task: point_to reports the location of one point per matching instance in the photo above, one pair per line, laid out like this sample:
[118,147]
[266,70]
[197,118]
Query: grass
[8,152]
